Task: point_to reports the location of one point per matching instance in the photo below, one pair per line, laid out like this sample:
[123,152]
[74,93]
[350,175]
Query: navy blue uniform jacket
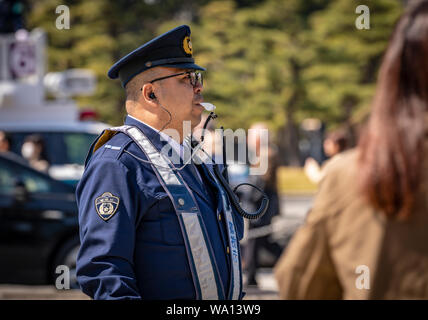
[139,253]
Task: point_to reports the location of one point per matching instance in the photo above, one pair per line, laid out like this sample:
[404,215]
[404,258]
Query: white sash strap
[201,258]
[235,289]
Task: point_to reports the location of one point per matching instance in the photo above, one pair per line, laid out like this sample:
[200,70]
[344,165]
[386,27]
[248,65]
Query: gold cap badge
[187,45]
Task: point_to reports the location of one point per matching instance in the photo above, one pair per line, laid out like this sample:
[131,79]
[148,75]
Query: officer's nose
[198,88]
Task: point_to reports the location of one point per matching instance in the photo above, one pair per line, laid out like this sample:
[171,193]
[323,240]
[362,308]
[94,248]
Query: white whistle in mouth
[208,106]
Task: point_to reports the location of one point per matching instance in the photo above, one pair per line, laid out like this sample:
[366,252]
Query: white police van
[24,109]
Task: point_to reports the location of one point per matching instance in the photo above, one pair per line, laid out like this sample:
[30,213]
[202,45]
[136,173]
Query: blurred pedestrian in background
[335,143]
[366,236]
[33,150]
[5,142]
[253,198]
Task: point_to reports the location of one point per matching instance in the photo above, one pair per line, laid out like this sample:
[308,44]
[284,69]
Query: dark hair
[38,140]
[35,138]
[391,148]
[340,138]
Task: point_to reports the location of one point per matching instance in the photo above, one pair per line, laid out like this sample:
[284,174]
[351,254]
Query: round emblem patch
[106,205]
[187,45]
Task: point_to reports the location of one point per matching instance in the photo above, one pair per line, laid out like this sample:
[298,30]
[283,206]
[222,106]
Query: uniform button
[227,249]
[180,201]
[219,217]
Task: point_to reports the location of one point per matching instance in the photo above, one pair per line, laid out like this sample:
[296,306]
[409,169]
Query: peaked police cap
[172,49]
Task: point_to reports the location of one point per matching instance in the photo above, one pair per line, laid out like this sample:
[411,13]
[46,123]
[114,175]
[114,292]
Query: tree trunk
[289,137]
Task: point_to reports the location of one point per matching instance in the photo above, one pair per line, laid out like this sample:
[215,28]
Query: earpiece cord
[234,199]
[223,178]
[170,118]
[212,115]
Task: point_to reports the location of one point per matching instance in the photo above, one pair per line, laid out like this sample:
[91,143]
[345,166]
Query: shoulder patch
[106,205]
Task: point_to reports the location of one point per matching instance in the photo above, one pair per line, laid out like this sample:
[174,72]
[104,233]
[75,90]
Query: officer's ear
[148,94]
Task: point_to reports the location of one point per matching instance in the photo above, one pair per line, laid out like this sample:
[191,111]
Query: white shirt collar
[173,143]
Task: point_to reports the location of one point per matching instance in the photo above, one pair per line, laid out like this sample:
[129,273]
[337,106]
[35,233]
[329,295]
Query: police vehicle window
[54,148]
[60,147]
[11,173]
[77,145]
[33,181]
[7,179]
[17,141]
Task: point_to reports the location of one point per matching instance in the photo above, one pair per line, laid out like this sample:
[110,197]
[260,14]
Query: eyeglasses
[195,77]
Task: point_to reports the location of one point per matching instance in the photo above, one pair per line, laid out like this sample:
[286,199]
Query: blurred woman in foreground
[366,236]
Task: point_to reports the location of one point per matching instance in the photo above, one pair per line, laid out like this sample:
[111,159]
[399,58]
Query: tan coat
[342,233]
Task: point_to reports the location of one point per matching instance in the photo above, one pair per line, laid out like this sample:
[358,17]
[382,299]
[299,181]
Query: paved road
[293,212]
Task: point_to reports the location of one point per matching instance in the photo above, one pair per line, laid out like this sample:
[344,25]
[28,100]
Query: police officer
[152,227]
